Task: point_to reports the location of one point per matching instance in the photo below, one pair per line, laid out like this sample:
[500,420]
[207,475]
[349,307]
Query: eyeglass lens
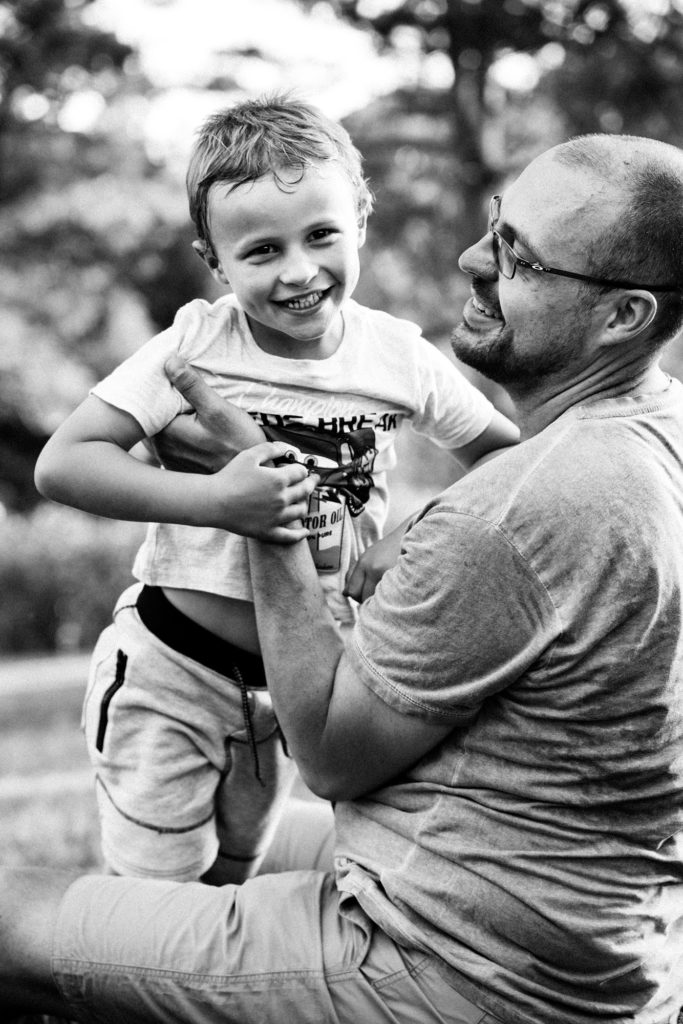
[494,212]
[502,252]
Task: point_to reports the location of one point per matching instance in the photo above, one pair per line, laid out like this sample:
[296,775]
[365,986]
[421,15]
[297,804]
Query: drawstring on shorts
[187,637]
[248,721]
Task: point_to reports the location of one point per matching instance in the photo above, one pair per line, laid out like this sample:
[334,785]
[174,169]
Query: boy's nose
[298,269]
[479,260]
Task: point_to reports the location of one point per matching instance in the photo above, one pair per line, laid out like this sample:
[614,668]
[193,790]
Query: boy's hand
[252,497]
[203,441]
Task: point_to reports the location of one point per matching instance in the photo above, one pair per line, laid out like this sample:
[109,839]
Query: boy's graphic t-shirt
[347,407]
[343,461]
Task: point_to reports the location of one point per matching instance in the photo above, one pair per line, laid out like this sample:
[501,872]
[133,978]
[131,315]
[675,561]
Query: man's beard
[497,359]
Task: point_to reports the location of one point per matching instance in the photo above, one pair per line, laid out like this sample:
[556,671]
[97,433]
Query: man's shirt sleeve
[459,618]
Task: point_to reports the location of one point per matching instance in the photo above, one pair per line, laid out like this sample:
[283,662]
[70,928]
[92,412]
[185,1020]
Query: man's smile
[486,309]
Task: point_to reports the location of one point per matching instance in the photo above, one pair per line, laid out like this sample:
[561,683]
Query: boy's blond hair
[264,136]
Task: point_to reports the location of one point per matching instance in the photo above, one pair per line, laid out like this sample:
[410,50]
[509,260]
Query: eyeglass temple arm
[600,280]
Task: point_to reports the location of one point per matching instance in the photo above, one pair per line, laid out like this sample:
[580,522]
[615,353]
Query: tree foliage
[606,65]
[92,238]
[95,252]
[438,154]
[47,52]
[94,233]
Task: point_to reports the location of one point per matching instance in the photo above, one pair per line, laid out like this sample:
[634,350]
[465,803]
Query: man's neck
[539,408]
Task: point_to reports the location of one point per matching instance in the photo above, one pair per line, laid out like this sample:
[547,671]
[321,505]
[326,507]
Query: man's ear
[206,253]
[631,315]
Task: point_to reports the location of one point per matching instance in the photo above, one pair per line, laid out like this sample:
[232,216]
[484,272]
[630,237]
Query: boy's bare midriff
[229,618]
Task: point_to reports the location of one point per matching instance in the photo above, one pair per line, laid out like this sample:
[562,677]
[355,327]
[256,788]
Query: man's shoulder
[577,474]
[569,466]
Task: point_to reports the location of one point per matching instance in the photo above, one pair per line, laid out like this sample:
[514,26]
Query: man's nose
[479,260]
[298,268]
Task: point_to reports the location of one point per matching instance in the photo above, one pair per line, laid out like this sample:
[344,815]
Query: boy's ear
[362,225]
[206,253]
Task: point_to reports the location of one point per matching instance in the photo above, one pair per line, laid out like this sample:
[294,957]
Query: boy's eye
[323,234]
[261,251]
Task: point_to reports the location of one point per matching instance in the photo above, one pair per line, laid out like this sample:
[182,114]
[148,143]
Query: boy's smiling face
[289,251]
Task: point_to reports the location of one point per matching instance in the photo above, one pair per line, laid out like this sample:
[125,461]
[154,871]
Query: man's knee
[29,902]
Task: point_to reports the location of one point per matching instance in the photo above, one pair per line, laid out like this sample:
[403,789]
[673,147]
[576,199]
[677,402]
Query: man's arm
[354,724]
[193,446]
[345,739]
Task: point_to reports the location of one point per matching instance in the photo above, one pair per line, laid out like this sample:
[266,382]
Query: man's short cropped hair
[261,136]
[645,242]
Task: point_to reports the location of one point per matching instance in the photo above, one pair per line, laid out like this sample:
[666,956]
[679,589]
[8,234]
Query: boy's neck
[285,346]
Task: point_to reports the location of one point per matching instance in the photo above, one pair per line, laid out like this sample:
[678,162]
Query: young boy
[191,771]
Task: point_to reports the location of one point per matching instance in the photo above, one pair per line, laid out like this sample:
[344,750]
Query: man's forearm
[300,644]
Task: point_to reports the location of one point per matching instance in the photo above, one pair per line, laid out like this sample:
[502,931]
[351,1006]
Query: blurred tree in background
[90,260]
[95,253]
[522,75]
[46,56]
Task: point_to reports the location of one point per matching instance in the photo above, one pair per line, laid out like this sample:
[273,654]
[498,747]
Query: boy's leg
[166,733]
[29,905]
[156,771]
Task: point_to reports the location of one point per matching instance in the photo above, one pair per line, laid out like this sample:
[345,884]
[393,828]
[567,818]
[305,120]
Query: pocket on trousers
[108,696]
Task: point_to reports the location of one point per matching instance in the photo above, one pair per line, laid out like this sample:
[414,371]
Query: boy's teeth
[304,303]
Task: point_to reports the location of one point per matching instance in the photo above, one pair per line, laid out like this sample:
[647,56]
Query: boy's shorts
[275,950]
[178,747]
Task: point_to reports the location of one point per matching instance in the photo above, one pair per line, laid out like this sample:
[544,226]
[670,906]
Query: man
[502,736]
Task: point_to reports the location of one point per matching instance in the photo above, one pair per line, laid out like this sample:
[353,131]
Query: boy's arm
[501,433]
[87,464]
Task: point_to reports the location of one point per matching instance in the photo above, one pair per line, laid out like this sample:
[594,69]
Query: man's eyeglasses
[507,261]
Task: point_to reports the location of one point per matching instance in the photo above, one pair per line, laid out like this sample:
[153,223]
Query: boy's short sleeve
[450,410]
[458,619]
[139,385]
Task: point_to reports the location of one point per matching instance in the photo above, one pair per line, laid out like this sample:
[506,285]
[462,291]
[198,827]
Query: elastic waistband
[194,641]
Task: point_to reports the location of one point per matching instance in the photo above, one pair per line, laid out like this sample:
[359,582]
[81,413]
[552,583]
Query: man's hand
[207,439]
[363,577]
[245,493]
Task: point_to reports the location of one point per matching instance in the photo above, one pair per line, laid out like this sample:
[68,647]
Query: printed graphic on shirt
[300,409]
[344,461]
[325,523]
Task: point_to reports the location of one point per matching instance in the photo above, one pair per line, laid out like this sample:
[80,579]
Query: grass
[47,798]
[58,831]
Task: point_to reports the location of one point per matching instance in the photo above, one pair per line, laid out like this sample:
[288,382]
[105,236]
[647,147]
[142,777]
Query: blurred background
[99,100]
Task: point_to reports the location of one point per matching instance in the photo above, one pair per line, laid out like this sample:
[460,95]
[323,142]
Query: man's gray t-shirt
[538,850]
